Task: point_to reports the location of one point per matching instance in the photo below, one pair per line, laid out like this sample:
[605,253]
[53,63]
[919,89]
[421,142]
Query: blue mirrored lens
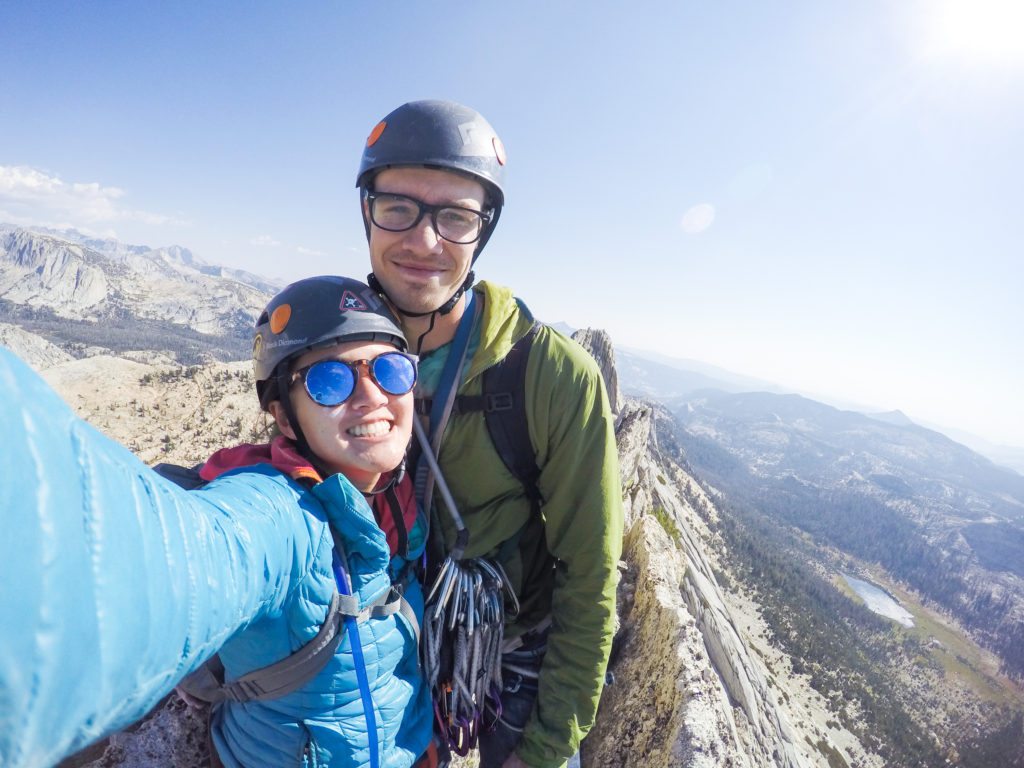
[394,373]
[330,382]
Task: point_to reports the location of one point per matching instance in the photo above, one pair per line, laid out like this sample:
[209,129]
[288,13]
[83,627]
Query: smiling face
[363,437]
[419,270]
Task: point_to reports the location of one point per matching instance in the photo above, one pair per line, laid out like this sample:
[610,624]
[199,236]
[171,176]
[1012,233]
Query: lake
[879,601]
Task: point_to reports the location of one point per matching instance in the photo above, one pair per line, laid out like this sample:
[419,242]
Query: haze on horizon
[825,197]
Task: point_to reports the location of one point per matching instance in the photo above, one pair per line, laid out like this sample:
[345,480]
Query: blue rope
[450,373]
[360,664]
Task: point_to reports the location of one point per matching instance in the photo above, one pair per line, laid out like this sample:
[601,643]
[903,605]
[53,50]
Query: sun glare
[698,218]
[977,31]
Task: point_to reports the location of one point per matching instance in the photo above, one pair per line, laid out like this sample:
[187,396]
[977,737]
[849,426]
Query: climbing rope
[463,632]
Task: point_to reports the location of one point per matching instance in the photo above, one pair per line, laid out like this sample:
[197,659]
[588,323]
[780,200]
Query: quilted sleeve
[115,583]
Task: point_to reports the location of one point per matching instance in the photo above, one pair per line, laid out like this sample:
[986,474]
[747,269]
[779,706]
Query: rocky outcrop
[687,691]
[33,349]
[43,271]
[599,345]
[174,735]
[665,706]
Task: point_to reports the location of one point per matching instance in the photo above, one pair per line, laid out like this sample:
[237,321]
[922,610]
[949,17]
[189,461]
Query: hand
[513,761]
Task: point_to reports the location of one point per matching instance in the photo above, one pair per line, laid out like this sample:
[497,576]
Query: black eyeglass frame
[356,367]
[486,216]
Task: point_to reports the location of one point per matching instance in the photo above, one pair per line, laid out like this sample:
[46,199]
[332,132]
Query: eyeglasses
[398,213]
[332,382]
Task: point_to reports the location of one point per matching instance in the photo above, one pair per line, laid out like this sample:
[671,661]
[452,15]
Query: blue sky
[826,195]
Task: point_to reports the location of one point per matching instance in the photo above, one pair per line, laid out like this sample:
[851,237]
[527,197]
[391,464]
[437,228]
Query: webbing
[345,588]
[444,398]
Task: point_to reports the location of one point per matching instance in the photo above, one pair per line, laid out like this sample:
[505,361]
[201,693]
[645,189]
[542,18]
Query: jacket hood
[502,326]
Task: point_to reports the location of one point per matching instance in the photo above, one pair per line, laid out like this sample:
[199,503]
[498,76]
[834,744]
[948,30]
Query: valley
[807,493]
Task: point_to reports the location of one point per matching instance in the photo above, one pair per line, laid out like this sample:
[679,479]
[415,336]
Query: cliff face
[686,690]
[44,271]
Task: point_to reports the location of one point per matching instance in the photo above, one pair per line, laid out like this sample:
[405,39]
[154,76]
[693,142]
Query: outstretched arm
[114,583]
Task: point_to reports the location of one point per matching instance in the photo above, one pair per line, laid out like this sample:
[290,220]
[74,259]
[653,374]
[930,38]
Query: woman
[118,583]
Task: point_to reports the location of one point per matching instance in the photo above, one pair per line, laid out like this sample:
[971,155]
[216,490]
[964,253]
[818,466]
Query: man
[431,183]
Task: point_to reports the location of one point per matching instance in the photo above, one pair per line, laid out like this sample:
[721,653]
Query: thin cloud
[264,241]
[309,251]
[29,195]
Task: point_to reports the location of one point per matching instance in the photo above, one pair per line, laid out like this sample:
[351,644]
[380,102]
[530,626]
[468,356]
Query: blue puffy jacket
[115,584]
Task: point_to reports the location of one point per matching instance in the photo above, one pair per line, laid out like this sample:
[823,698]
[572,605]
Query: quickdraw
[463,633]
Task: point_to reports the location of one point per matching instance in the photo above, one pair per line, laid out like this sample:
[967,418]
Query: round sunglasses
[332,382]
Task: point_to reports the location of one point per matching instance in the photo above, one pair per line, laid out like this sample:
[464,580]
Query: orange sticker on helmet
[280,318]
[499,150]
[378,129]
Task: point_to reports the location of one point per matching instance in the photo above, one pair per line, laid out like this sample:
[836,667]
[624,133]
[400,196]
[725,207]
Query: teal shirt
[432,363]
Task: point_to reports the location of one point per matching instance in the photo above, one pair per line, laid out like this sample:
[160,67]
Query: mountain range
[86,294]
[745,505]
[671,380]
[935,514]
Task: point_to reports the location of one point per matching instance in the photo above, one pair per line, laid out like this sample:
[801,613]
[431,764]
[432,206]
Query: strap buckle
[498,401]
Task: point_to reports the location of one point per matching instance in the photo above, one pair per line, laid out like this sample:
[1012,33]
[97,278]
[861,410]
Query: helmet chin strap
[396,477]
[444,309]
[284,392]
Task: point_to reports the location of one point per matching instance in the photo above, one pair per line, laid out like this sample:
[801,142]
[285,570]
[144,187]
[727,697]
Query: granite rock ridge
[687,691]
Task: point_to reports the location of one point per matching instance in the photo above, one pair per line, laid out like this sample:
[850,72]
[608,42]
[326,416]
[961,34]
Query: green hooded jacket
[565,564]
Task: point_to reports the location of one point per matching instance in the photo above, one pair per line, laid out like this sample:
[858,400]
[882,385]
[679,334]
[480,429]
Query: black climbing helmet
[438,134]
[313,313]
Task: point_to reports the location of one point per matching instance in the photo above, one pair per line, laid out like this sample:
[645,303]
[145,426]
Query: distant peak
[897,417]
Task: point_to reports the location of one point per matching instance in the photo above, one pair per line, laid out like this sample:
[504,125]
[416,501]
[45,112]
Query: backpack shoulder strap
[504,407]
[185,477]
[503,403]
[292,672]
[270,682]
